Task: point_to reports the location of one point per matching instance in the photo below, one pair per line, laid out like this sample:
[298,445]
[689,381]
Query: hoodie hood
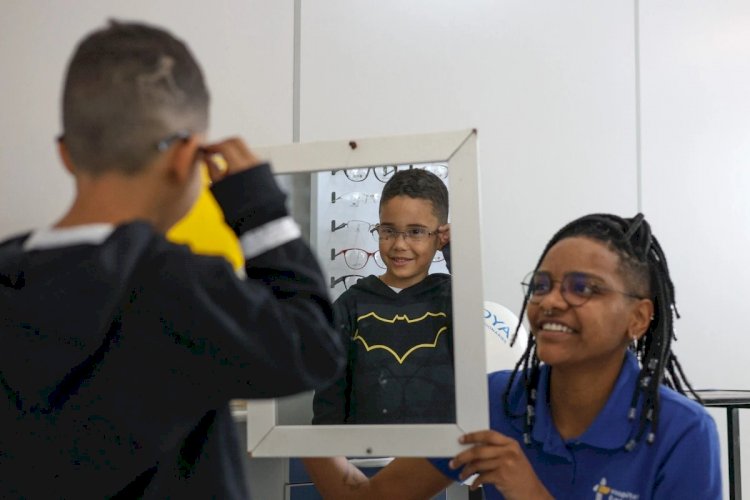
[60,293]
[372,285]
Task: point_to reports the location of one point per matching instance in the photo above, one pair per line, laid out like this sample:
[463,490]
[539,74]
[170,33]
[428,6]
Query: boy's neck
[112,199]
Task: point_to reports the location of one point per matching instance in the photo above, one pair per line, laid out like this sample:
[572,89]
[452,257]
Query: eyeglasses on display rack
[439,169]
[576,288]
[355,226]
[356,198]
[348,280]
[357,258]
[384,173]
[360,174]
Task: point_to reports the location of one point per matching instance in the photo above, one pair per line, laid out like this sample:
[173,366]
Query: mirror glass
[409,370]
[400,366]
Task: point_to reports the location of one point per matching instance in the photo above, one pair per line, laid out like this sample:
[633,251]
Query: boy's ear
[182,161]
[62,150]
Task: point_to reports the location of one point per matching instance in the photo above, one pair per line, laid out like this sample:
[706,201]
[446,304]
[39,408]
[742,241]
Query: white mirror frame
[459,150]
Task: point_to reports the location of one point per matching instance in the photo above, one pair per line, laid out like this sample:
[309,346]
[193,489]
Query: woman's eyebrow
[588,275]
[569,273]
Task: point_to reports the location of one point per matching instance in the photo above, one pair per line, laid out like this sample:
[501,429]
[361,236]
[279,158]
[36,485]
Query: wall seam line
[296,70]
[638,117]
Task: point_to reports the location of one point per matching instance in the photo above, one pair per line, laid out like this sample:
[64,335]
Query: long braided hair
[642,262]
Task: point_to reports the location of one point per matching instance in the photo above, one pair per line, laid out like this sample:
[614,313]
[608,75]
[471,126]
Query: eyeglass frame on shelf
[342,279]
[382,177]
[375,197]
[433,168]
[426,166]
[335,227]
[343,252]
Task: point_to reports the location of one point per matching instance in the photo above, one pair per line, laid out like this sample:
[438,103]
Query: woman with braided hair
[596,406]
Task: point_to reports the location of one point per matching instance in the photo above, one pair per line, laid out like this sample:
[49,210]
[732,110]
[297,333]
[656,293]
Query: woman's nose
[554,299]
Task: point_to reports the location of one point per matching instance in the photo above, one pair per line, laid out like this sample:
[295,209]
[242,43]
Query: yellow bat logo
[384,337]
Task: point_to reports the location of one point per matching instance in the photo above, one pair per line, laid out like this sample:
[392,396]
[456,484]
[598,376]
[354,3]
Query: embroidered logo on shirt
[603,491]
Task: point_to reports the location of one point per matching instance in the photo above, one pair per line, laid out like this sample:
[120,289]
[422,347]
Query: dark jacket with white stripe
[120,352]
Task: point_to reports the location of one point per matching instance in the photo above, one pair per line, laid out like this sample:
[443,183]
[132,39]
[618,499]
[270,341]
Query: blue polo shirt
[683,461]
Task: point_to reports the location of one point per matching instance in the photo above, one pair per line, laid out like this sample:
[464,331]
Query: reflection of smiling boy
[398,325]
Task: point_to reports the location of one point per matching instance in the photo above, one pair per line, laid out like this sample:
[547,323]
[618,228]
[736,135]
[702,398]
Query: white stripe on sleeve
[270,235]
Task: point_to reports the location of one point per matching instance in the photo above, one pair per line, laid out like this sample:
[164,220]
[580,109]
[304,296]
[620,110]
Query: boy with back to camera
[122,350]
[398,325]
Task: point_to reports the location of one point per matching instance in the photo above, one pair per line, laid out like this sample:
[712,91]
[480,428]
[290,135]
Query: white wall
[695,64]
[695,76]
[551,86]
[245,47]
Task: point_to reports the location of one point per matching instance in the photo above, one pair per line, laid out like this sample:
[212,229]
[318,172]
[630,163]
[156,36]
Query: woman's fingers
[484,441]
[481,467]
[484,437]
[499,460]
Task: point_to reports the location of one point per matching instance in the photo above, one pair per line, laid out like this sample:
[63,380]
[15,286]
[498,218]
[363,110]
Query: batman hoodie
[400,367]
[121,350]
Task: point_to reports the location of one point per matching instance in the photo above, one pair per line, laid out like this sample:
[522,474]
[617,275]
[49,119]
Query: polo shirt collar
[610,430]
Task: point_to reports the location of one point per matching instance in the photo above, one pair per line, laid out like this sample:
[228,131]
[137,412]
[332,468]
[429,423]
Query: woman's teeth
[556,327]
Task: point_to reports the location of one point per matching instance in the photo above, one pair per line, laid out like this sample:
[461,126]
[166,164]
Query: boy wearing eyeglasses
[121,350]
[398,325]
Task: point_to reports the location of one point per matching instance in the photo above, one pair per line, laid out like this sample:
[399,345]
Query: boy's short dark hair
[420,184]
[128,87]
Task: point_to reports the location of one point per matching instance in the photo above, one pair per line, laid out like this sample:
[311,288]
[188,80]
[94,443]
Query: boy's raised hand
[499,460]
[235,154]
[444,233]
